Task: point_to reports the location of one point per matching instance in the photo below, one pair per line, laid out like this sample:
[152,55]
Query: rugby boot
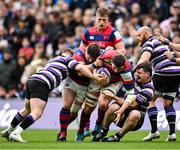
[112,138]
[5,133]
[16,137]
[79,137]
[96,130]
[152,136]
[99,135]
[171,137]
[87,133]
[61,137]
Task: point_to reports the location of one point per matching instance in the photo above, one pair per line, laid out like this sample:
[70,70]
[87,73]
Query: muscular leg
[85,117]
[65,115]
[152,114]
[109,115]
[170,115]
[103,106]
[17,119]
[130,123]
[90,105]
[108,119]
[37,108]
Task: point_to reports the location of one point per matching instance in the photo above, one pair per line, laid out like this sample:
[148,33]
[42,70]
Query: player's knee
[25,111]
[36,115]
[103,105]
[67,104]
[112,108]
[167,104]
[134,116]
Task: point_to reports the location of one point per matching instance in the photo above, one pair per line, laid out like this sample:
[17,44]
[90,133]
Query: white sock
[18,130]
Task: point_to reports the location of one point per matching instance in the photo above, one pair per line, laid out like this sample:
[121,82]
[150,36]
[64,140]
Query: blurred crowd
[32,31]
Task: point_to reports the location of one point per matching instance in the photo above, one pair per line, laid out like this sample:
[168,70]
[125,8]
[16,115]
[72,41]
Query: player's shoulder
[128,66]
[92,29]
[79,54]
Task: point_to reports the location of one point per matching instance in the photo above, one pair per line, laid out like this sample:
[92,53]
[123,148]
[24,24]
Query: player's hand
[104,81]
[99,79]
[160,37]
[98,62]
[108,93]
[118,116]
[169,55]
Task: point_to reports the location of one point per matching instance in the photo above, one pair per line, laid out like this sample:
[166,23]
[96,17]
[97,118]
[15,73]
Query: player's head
[143,34]
[143,72]
[118,62]
[92,53]
[102,17]
[67,52]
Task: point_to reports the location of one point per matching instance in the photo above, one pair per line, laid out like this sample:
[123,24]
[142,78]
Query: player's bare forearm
[174,46]
[84,70]
[119,100]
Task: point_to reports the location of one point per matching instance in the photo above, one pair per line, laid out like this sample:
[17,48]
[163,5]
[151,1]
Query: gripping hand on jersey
[99,79]
[98,62]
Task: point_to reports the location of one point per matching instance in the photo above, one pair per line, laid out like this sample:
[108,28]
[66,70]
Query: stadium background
[32,31]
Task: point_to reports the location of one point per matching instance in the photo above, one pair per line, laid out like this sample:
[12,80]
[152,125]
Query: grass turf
[45,139]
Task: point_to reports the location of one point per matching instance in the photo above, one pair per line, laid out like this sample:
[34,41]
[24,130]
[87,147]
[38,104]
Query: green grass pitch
[45,139]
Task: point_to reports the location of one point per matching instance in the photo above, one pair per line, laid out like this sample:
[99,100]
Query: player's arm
[84,41]
[84,70]
[172,57]
[82,46]
[174,46]
[144,57]
[120,47]
[118,43]
[129,100]
[119,100]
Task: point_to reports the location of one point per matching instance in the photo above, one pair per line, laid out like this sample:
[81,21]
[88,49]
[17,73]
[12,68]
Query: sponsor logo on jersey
[91,37]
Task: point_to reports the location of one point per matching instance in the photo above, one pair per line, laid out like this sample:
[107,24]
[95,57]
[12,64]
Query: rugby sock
[171,118]
[16,120]
[27,121]
[87,127]
[152,113]
[64,119]
[101,114]
[84,119]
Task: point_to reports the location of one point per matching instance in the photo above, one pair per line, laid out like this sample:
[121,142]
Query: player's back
[56,70]
[79,55]
[162,65]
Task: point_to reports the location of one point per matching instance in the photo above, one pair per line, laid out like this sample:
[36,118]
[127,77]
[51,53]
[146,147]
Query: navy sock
[64,119]
[28,121]
[171,118]
[16,120]
[152,113]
